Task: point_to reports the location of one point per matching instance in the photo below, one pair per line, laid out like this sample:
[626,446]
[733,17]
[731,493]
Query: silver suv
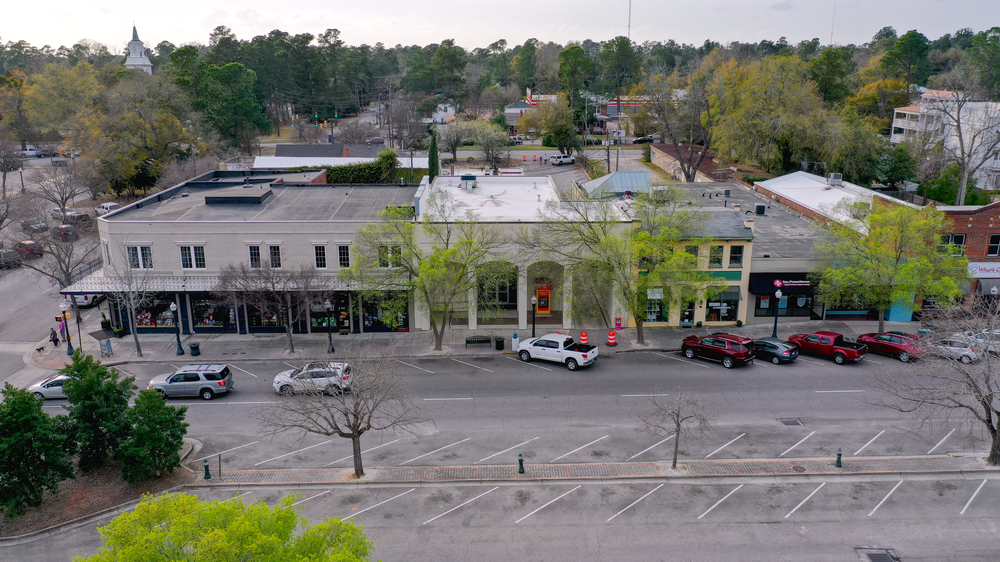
[327,377]
[206,380]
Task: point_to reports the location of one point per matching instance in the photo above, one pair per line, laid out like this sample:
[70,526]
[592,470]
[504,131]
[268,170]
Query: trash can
[499,342]
[195,350]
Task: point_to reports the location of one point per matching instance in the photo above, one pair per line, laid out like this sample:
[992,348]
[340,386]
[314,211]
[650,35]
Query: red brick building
[976,229]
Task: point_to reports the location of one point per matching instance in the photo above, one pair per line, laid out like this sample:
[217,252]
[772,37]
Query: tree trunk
[291,344]
[359,470]
[881,321]
[963,185]
[438,335]
[639,334]
[677,444]
[135,334]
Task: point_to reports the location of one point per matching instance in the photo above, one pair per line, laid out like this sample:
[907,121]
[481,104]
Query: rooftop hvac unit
[760,208]
[835,179]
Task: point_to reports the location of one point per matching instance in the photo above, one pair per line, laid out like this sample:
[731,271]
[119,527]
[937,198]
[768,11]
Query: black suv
[9,260]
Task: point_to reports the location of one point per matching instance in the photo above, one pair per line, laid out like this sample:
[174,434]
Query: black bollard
[520,463]
[838,465]
[208,473]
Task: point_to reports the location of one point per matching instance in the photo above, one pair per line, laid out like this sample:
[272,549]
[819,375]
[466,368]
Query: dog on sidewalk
[40,349]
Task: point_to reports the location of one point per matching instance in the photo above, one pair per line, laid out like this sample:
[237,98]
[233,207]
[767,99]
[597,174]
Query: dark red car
[29,248]
[728,349]
[892,344]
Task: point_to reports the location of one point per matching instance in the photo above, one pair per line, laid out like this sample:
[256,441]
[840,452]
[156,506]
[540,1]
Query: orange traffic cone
[524,158]
[583,337]
[611,338]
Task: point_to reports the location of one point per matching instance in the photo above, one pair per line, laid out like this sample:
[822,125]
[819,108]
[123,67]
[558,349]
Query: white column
[523,298]
[567,318]
[471,298]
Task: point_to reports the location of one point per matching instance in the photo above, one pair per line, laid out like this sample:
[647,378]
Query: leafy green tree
[883,40]
[985,59]
[98,409]
[621,65]
[156,437]
[225,95]
[881,254]
[453,135]
[498,64]
[59,93]
[433,161]
[944,188]
[554,121]
[575,68]
[526,63]
[13,95]
[897,166]
[854,147]
[908,58]
[180,527]
[830,71]
[492,140]
[32,455]
[448,66]
[439,258]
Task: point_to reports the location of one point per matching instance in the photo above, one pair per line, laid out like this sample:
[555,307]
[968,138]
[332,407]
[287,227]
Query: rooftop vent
[241,199]
[835,179]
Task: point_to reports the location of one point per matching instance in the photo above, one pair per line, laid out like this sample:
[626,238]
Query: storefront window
[724,307]
[335,319]
[792,305]
[656,311]
[687,314]
[207,313]
[257,320]
[156,315]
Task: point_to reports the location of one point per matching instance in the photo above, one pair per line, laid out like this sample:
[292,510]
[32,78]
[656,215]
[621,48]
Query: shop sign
[984,270]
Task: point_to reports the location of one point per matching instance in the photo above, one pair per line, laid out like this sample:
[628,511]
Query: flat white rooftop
[498,198]
[812,192]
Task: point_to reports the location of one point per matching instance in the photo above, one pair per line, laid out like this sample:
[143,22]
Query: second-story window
[274,252]
[320,252]
[344,253]
[390,256]
[693,250]
[255,257]
[107,254]
[994,248]
[192,257]
[715,256]
[736,256]
[140,257]
[955,241]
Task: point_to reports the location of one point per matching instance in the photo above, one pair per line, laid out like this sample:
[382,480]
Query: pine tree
[153,447]
[434,164]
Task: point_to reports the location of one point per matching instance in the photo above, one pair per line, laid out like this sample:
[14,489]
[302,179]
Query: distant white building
[935,119]
[137,59]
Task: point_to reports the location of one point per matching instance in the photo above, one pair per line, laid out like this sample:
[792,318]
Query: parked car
[515,140]
[560,159]
[105,208]
[33,226]
[10,260]
[891,344]
[46,153]
[66,231]
[642,140]
[558,348]
[50,388]
[323,377]
[954,348]
[207,381]
[830,345]
[728,349]
[27,248]
[29,152]
[983,341]
[375,140]
[84,301]
[775,350]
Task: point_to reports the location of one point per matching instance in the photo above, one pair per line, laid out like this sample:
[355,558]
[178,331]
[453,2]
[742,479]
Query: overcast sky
[475,23]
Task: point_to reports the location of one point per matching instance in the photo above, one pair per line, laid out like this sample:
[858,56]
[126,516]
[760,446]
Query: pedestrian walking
[53,337]
[62,329]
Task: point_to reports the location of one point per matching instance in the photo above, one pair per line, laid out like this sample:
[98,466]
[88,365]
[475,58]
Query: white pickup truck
[558,348]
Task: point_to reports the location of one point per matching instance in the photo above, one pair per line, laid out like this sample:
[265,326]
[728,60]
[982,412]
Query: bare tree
[948,387]
[130,281]
[493,142]
[451,136]
[10,159]
[377,401]
[59,185]
[356,133]
[673,415]
[285,294]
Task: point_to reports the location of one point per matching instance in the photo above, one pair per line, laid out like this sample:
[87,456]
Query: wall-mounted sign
[543,294]
[984,269]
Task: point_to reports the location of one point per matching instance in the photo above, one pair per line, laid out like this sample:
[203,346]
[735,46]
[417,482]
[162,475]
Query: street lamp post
[177,324]
[777,301]
[995,304]
[534,309]
[329,326]
[66,335]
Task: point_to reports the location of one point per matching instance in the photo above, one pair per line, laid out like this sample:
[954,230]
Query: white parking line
[640,395]
[866,360]
[505,450]
[460,505]
[835,391]
[651,448]
[414,366]
[290,365]
[682,360]
[797,444]
[197,401]
[577,449]
[868,443]
[226,451]
[716,504]
[805,500]
[530,364]
[293,452]
[436,450]
[311,497]
[471,365]
[633,503]
[974,494]
[810,361]
[362,452]
[248,372]
[548,504]
[941,441]
[444,399]
[724,446]
[885,498]
[379,503]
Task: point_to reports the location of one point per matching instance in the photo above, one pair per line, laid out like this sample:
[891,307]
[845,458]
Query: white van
[105,208]
[83,301]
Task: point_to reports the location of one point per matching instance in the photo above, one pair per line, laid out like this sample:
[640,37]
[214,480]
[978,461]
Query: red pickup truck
[830,345]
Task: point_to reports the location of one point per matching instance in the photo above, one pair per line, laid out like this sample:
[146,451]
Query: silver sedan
[49,388]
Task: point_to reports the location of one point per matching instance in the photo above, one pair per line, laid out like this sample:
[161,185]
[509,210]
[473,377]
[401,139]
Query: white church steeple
[137,59]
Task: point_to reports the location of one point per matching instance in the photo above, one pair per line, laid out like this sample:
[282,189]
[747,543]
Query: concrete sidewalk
[897,466]
[250,347]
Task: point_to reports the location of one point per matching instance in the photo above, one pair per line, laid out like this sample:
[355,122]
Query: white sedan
[954,348]
[327,377]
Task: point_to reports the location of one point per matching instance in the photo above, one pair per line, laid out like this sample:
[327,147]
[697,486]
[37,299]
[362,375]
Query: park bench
[477,340]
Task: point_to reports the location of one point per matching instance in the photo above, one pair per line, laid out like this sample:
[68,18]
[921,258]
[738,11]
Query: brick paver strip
[867,465]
